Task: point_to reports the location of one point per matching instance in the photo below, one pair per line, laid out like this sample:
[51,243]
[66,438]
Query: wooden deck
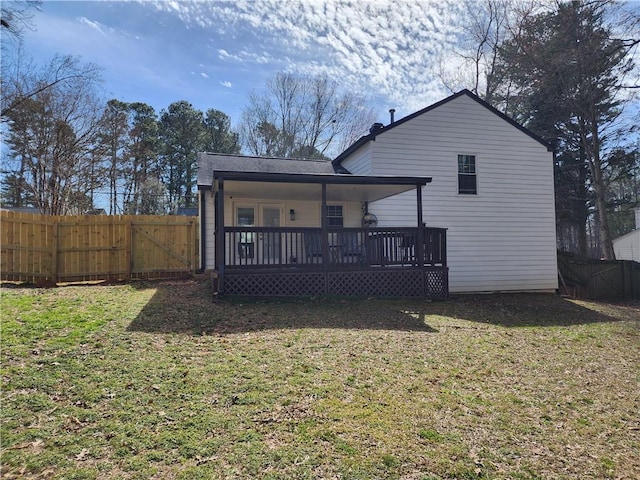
[391,262]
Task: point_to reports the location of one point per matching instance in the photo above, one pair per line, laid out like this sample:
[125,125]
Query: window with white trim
[335,216]
[467,179]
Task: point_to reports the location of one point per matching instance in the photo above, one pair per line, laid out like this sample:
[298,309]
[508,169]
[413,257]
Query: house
[187,211]
[34,210]
[493,190]
[627,247]
[455,197]
[296,227]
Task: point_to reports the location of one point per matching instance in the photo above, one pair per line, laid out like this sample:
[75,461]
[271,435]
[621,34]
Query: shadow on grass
[179,307]
[533,310]
[188,308]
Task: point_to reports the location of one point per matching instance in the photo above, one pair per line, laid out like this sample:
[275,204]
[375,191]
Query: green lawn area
[156,380]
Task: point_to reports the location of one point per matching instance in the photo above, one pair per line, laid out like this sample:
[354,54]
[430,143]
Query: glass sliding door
[246,217]
[271,249]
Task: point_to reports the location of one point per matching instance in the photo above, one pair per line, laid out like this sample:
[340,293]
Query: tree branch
[24,98]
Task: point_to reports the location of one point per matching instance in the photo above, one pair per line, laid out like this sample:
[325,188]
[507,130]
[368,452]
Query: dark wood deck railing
[338,248]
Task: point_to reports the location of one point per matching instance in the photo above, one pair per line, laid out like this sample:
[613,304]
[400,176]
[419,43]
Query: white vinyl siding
[467,175]
[359,162]
[499,240]
[627,247]
[209,241]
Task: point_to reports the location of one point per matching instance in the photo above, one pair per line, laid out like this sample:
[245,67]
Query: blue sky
[213,54]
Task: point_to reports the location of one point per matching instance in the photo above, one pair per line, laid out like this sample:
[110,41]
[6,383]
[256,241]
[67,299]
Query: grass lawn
[157,381]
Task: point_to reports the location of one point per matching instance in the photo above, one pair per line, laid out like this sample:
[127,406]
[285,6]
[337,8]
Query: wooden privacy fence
[598,279]
[41,248]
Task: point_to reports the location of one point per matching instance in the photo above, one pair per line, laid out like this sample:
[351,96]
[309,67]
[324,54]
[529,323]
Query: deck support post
[420,254]
[220,235]
[325,237]
[324,227]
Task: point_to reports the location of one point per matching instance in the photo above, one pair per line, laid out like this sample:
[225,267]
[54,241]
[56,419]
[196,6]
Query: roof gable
[367,138]
[631,234]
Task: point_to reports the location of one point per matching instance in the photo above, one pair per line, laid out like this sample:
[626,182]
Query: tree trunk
[601,203]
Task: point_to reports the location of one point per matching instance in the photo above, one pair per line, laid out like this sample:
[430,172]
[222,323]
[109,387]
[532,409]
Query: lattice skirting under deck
[275,284]
[430,283]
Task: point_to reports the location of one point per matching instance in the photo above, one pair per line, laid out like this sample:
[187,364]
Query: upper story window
[467,184]
[334,216]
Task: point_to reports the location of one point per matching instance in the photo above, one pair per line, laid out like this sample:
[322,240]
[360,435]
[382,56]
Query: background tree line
[566,71]
[70,151]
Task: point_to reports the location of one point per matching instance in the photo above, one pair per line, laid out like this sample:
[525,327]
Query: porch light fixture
[292,214]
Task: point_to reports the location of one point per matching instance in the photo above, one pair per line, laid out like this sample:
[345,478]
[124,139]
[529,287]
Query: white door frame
[261,245]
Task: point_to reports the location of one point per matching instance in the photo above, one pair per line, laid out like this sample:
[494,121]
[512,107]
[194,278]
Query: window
[246,217]
[467,175]
[334,216]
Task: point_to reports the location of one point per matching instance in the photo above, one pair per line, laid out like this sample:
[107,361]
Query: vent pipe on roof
[392,111]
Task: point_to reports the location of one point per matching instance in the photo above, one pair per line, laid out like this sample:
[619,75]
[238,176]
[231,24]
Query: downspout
[203,232]
[420,237]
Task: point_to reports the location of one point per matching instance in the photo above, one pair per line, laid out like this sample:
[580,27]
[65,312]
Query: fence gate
[598,279]
[162,248]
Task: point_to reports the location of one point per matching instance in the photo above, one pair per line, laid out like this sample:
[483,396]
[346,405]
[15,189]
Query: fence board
[38,248]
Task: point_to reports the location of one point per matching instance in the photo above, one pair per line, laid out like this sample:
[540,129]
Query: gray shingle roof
[210,162]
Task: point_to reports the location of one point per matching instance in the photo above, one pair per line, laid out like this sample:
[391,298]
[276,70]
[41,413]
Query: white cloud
[383,48]
[226,84]
[94,25]
[224,55]
[204,75]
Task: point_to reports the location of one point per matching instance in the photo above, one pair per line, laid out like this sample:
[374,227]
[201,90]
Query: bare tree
[487,25]
[310,117]
[23,80]
[15,16]
[52,135]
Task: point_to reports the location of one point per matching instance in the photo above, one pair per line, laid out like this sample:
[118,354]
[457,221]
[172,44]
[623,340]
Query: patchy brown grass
[158,381]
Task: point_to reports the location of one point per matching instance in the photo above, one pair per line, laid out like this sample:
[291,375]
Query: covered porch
[328,254]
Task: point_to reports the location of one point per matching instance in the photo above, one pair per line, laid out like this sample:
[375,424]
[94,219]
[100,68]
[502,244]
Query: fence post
[55,227]
[128,235]
[189,247]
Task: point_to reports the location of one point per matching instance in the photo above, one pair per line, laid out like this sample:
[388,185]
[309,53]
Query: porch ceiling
[296,191]
[340,188]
